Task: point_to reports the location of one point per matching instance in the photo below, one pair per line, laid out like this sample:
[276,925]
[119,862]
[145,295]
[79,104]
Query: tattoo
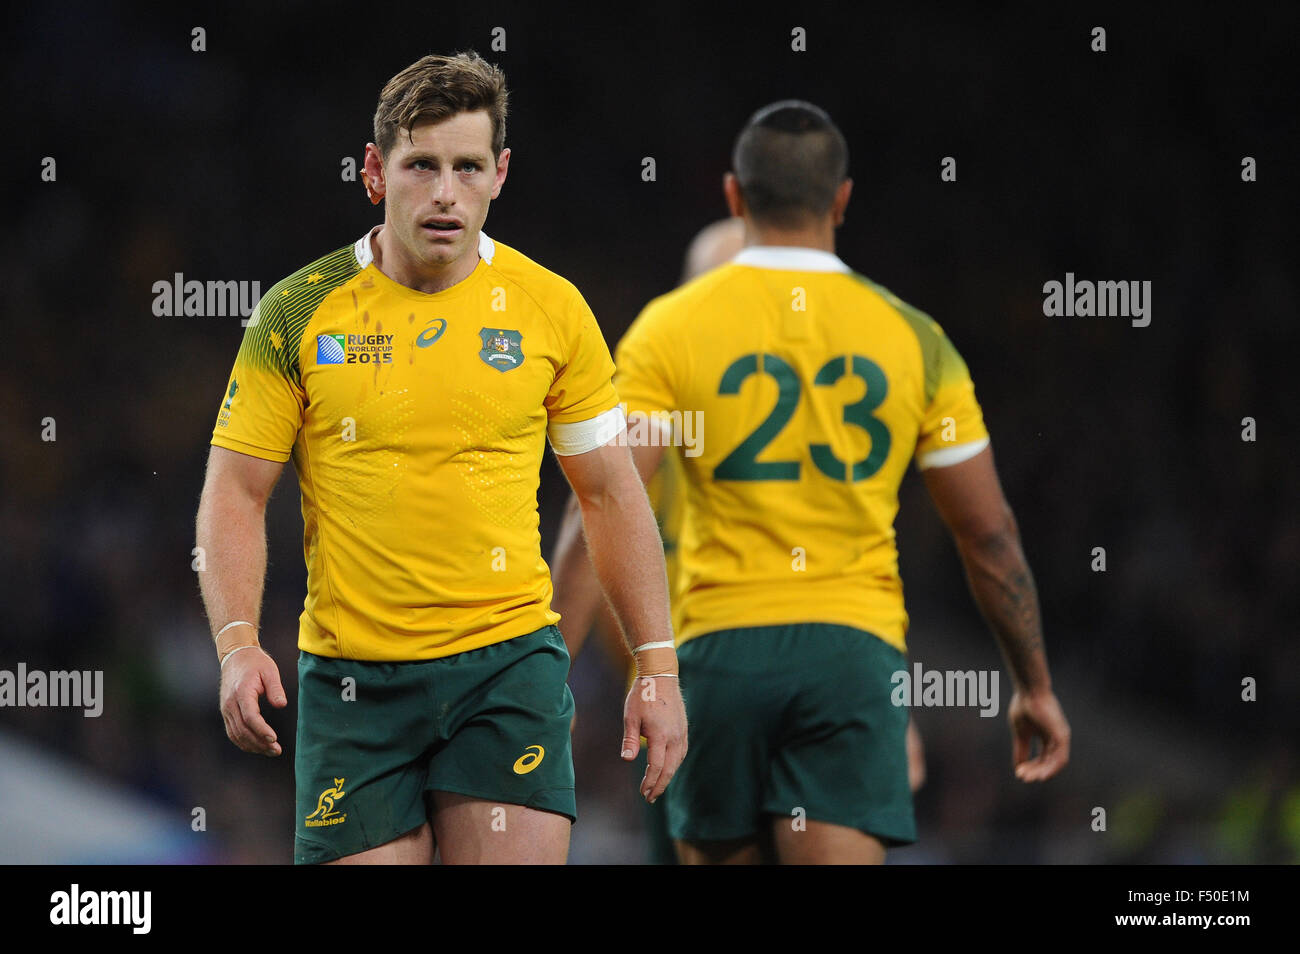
[1004,589]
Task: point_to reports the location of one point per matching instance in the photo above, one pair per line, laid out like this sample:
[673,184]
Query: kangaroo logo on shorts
[325,813]
[502,350]
[529,760]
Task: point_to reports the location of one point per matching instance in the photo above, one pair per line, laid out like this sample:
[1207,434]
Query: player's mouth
[440,227]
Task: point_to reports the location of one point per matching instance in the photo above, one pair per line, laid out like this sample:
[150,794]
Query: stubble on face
[439,183]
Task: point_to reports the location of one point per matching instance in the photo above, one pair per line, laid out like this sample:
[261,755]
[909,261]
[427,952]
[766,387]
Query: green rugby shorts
[490,723]
[788,722]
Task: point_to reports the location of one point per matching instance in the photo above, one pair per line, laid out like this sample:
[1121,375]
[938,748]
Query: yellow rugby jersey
[416,423]
[817,388]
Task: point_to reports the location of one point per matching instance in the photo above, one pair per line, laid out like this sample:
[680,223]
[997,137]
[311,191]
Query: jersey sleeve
[952,429]
[584,387]
[262,409]
[645,378]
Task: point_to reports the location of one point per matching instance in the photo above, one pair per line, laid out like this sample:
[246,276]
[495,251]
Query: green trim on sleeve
[927,331]
[273,338]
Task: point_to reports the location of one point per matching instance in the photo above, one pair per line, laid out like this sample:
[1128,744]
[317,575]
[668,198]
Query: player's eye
[469,167]
[422,164]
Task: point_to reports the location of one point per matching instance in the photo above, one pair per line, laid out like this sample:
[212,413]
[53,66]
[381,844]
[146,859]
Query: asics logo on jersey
[529,760]
[432,332]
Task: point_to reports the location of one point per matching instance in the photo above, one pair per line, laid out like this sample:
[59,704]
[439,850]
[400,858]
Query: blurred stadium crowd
[226,164]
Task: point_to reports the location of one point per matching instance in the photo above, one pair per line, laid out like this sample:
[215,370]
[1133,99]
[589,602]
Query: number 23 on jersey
[743,463]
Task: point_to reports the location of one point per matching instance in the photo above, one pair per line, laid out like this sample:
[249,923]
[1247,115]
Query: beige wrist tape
[235,634]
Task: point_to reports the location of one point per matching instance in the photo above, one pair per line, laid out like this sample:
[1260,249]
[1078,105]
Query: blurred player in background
[715,244]
[816,389]
[415,376]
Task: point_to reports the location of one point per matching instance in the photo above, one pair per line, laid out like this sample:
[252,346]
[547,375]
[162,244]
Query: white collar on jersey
[790,258]
[487,249]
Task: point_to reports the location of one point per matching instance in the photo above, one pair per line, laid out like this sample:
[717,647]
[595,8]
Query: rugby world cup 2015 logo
[329,349]
[502,349]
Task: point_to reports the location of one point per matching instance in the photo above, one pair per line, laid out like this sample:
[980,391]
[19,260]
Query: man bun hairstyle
[788,160]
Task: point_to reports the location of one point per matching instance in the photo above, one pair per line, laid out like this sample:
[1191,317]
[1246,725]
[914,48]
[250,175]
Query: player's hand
[246,676]
[1037,715]
[654,709]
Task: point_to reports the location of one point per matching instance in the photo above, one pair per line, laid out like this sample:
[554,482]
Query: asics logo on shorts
[529,760]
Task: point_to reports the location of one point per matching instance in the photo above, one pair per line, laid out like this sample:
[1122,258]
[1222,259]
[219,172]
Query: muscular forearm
[628,557]
[231,529]
[1003,588]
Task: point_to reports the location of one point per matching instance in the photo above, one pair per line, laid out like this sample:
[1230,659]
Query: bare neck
[820,235]
[429,280]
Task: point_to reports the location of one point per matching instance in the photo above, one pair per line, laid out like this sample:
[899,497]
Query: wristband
[227,643]
[664,644]
[654,675]
[235,650]
[232,624]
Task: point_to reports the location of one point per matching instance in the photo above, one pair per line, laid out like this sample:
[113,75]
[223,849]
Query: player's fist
[247,675]
[1037,715]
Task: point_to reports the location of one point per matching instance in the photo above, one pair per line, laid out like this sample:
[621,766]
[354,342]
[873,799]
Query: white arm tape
[582,436]
[662,644]
[947,456]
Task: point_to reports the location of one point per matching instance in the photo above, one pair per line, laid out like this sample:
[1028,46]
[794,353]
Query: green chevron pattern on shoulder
[273,337]
[926,329]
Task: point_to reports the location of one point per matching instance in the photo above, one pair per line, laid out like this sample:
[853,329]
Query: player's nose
[444,190]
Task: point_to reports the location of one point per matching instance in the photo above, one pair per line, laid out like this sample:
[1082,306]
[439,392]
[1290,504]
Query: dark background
[1123,165]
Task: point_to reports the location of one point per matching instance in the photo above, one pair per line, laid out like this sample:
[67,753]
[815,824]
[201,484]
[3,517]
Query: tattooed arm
[969,498]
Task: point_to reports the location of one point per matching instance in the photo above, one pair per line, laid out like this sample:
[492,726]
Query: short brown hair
[789,160]
[435,88]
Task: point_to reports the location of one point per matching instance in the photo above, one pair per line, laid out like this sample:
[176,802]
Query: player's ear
[841,200]
[731,189]
[372,174]
[503,164]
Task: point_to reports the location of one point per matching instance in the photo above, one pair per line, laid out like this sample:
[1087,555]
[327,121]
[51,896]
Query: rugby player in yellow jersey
[817,389]
[714,245]
[414,377]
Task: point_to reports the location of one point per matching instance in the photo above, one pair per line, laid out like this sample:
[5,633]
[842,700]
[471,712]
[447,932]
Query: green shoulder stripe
[273,338]
[927,331]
